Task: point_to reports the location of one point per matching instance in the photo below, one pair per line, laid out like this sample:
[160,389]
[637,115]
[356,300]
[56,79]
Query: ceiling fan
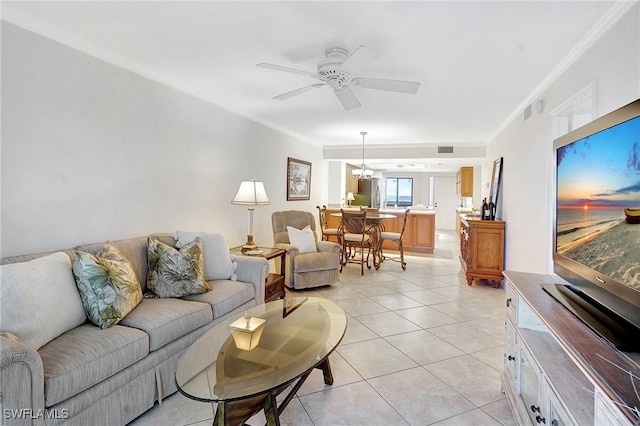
[331,73]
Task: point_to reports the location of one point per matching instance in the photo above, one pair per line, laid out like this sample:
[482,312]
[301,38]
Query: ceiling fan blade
[287,69]
[347,98]
[299,91]
[410,87]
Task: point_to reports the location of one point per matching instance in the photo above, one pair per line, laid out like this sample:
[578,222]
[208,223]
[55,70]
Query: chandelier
[362,173]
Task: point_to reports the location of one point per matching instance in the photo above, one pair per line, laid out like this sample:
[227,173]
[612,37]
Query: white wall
[91,152]
[612,65]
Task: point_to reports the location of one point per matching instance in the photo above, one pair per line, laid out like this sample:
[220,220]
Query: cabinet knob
[534,409]
[508,302]
[512,358]
[540,419]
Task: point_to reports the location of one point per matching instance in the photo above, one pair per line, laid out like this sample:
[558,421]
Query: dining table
[375,227]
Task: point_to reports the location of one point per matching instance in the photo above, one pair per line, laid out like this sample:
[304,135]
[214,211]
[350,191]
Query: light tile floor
[421,348]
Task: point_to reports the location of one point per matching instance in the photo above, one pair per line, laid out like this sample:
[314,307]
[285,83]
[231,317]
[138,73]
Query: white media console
[557,371]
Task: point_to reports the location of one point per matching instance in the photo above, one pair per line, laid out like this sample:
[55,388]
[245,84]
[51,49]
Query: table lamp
[252,194]
[350,198]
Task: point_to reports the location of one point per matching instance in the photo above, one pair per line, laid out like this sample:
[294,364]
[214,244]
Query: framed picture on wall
[298,179]
[496,178]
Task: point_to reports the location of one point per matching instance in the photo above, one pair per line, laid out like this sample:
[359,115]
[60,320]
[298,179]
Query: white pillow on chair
[302,239]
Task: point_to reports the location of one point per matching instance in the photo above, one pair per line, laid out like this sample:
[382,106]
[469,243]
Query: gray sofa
[91,376]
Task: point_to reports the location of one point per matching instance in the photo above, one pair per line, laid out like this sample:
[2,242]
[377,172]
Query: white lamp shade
[246,332]
[350,196]
[362,173]
[251,193]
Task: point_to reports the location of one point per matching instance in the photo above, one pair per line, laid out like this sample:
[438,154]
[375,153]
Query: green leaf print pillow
[107,284]
[175,273]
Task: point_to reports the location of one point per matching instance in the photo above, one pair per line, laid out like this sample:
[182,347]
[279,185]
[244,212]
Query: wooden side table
[274,284]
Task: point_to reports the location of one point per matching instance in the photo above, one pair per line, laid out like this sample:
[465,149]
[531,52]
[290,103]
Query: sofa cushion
[175,273]
[39,299]
[107,284]
[218,263]
[309,262]
[226,296]
[86,355]
[166,320]
[303,239]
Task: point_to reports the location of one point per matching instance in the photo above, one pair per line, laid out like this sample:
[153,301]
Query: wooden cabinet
[351,183]
[556,370]
[274,283]
[459,212]
[464,182]
[482,249]
[419,234]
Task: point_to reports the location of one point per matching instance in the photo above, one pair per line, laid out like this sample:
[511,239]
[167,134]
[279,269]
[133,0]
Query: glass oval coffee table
[244,363]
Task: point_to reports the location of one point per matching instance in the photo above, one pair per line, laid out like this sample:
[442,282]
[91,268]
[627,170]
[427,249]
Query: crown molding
[613,15]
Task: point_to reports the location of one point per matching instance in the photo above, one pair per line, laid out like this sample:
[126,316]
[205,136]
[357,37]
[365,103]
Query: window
[400,192]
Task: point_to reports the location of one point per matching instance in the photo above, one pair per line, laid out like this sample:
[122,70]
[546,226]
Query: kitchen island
[419,234]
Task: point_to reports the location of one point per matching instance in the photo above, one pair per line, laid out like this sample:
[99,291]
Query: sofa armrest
[21,383]
[253,270]
[329,246]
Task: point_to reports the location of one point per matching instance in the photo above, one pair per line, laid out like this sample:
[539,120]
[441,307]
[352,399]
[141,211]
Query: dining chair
[396,238]
[326,232]
[353,235]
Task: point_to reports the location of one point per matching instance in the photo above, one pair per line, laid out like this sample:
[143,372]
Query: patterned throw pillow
[174,273]
[107,284]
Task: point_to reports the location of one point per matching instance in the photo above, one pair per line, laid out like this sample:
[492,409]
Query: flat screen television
[596,247]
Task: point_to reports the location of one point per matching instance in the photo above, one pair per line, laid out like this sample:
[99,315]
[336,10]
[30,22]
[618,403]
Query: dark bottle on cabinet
[484,215]
[492,209]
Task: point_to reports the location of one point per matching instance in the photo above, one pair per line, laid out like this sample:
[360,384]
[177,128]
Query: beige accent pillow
[218,263]
[302,239]
[39,299]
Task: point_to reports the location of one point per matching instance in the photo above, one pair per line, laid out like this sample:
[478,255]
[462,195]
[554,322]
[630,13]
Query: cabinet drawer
[510,353]
[274,288]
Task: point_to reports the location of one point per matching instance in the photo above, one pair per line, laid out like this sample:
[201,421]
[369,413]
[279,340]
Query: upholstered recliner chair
[315,268]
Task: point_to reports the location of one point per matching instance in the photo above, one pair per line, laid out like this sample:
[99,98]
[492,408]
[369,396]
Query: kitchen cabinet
[419,234]
[464,182]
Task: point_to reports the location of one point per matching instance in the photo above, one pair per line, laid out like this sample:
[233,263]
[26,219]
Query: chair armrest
[292,252]
[253,270]
[329,246]
[21,382]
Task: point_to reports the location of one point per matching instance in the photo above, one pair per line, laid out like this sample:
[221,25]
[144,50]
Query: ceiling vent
[445,150]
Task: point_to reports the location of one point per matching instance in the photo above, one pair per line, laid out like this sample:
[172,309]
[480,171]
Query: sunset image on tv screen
[598,193]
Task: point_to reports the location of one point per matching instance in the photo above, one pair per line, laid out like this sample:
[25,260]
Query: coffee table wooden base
[237,412]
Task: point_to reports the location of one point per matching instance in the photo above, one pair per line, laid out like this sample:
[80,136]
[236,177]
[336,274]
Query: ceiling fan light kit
[331,73]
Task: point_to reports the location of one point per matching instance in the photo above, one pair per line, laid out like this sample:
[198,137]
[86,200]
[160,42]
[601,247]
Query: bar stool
[353,234]
[326,232]
[396,238]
